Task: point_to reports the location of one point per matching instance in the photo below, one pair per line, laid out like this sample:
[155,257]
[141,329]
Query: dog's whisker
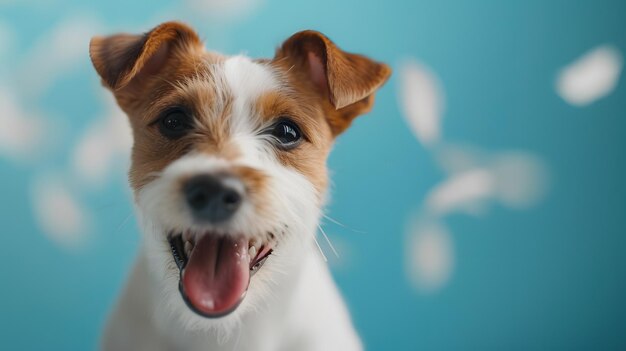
[124,221]
[328,241]
[343,225]
[285,58]
[320,249]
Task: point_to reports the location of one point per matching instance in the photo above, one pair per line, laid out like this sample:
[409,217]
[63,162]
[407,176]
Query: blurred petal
[591,77]
[430,259]
[223,9]
[521,178]
[93,154]
[458,158]
[21,135]
[102,145]
[61,218]
[56,53]
[518,179]
[422,101]
[461,191]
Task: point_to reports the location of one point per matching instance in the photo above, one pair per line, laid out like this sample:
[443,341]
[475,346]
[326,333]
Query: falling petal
[430,257]
[22,134]
[223,9]
[56,53]
[422,101]
[461,191]
[61,218]
[93,154]
[520,178]
[591,77]
[459,158]
[106,141]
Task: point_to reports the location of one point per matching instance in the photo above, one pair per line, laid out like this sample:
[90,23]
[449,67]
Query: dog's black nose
[211,199]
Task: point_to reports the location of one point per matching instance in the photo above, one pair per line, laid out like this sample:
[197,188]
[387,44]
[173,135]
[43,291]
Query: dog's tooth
[252,252]
[188,248]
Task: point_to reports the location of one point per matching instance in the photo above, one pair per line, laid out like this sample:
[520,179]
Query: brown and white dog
[229,174]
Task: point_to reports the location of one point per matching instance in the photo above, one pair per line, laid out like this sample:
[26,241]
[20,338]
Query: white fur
[291,303]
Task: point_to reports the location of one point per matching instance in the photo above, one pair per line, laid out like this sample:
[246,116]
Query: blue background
[552,276]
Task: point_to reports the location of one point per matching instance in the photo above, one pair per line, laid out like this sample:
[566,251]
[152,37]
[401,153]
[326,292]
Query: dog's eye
[286,133]
[174,124]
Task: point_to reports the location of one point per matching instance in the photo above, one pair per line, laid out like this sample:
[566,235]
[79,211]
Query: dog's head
[229,157]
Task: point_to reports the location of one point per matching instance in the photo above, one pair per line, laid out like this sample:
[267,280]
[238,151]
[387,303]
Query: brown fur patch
[256,186]
[309,158]
[345,81]
[120,58]
[152,151]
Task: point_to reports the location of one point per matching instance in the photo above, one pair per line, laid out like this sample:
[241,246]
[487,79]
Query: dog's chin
[215,270]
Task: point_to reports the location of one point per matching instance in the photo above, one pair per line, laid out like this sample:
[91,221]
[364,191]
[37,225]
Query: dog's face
[229,158]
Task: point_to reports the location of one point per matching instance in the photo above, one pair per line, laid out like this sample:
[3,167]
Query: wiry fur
[291,303]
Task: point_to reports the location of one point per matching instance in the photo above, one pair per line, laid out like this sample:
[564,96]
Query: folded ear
[347,80]
[123,59]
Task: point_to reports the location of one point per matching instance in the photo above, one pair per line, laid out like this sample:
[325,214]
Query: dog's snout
[211,198]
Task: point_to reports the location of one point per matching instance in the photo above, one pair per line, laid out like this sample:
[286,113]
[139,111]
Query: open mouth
[215,271]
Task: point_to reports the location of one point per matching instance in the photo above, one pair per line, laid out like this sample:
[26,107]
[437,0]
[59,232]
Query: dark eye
[286,133]
[174,124]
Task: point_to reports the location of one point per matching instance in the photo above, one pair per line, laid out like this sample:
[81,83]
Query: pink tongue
[217,274]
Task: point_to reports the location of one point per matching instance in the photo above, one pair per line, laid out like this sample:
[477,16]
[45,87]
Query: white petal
[223,10]
[459,158]
[93,154]
[59,215]
[421,98]
[461,191]
[22,134]
[104,143]
[430,259]
[591,77]
[520,178]
[57,53]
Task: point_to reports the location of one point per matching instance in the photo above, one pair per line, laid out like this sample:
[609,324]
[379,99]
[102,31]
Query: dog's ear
[347,80]
[124,60]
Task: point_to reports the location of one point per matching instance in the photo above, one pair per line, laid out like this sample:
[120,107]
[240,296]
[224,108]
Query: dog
[229,180]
